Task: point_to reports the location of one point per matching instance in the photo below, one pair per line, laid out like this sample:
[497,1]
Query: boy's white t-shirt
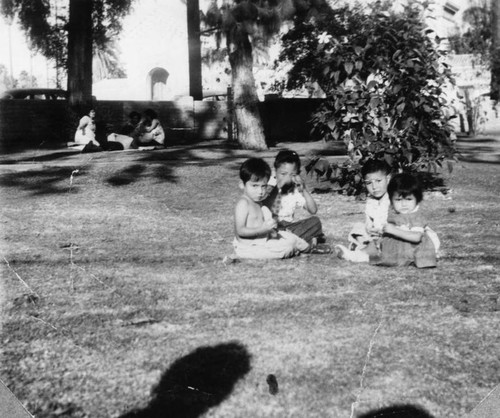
[289,202]
[377,210]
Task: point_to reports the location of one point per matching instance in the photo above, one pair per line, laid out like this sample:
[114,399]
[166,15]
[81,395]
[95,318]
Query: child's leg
[262,248]
[425,253]
[298,243]
[358,237]
[307,229]
[356,256]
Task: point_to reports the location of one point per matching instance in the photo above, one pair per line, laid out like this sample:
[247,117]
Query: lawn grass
[113,284]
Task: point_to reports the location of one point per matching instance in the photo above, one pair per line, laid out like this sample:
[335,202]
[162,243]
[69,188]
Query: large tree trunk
[80,54]
[495,50]
[246,111]
[193,26]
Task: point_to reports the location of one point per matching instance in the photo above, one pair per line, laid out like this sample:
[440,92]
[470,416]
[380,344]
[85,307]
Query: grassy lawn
[116,302]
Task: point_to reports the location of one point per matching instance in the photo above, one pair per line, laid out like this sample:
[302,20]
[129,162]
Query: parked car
[34,94]
[215,95]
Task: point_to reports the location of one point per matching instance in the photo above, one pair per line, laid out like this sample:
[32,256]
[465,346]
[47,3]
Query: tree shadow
[54,180]
[196,382]
[397,411]
[39,156]
[126,176]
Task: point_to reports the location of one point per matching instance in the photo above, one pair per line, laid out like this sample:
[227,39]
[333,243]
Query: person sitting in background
[126,135]
[85,133]
[152,133]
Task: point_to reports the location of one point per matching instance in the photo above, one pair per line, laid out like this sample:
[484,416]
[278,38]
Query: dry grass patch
[131,292]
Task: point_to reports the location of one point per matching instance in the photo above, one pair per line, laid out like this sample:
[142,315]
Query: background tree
[482,38]
[476,38]
[106,61]
[6,80]
[79,60]
[495,51]
[48,35]
[243,24]
[194,45]
[25,80]
[384,80]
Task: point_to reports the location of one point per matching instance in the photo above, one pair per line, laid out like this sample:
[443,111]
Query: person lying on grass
[406,238]
[289,192]
[255,229]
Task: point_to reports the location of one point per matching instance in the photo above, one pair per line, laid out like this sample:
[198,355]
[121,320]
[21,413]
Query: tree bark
[246,111]
[193,27]
[495,50]
[80,54]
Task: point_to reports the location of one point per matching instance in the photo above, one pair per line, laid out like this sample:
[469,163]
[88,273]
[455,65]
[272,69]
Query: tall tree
[194,44]
[495,51]
[80,53]
[244,24]
[48,36]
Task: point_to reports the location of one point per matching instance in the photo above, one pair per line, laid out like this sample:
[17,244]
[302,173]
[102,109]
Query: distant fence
[35,123]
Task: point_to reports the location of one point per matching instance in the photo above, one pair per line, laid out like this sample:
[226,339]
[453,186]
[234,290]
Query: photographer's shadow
[196,382]
[398,411]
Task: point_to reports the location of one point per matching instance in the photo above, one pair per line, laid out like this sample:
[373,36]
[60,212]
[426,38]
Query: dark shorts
[307,229]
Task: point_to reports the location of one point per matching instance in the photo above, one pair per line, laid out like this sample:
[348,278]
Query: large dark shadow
[398,411]
[196,382]
[52,180]
[126,176]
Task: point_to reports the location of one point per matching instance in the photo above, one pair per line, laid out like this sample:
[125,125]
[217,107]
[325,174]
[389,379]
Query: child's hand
[389,229]
[374,231]
[299,182]
[270,224]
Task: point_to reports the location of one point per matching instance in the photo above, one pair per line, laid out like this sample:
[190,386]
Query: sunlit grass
[126,265]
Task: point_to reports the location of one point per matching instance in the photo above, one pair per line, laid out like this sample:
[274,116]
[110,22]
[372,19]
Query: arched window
[157,78]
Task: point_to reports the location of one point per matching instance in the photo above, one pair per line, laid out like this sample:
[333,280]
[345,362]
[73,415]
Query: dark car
[34,94]
[215,95]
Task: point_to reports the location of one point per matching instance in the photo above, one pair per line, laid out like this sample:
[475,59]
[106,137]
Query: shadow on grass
[398,411]
[133,173]
[492,159]
[54,180]
[35,157]
[196,382]
[126,176]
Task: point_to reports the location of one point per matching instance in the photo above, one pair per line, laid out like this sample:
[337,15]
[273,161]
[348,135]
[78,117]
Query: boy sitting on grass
[255,228]
[365,236]
[288,194]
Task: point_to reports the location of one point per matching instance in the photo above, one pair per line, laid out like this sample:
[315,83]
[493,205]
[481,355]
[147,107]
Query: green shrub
[383,77]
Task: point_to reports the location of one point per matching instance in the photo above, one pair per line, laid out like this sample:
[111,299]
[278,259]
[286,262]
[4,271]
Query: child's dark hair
[374,166]
[151,113]
[287,156]
[134,114]
[254,169]
[405,184]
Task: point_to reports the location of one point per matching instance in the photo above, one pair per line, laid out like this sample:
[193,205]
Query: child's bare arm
[409,236]
[311,206]
[241,214]
[83,124]
[153,125]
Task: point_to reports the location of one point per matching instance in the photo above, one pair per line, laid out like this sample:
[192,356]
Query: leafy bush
[384,78]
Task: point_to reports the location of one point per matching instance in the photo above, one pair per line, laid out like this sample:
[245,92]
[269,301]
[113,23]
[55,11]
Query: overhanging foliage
[383,76]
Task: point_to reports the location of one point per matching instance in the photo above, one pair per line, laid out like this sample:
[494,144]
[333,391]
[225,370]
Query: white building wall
[154,36]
